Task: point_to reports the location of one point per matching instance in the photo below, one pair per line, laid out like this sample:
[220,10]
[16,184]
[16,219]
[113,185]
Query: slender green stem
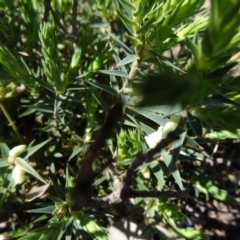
[11,122]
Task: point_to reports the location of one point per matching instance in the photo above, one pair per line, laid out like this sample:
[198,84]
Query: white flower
[154,138]
[18,175]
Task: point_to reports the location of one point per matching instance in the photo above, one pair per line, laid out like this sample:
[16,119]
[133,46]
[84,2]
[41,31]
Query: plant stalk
[11,122]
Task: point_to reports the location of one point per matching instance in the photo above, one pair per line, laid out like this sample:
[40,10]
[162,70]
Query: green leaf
[175,172]
[158,58]
[4,149]
[176,148]
[125,48]
[128,6]
[191,233]
[127,22]
[152,116]
[60,190]
[195,124]
[118,60]
[76,151]
[92,228]
[165,110]
[69,229]
[114,73]
[146,26]
[158,173]
[222,134]
[53,230]
[27,112]
[48,210]
[127,60]
[207,187]
[3,162]
[30,151]
[25,166]
[114,83]
[169,20]
[103,87]
[178,178]
[146,128]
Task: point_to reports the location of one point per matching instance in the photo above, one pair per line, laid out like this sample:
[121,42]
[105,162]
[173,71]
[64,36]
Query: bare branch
[160,195]
[115,197]
[86,174]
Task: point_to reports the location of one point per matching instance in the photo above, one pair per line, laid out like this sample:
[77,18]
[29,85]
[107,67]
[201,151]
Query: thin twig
[130,75]
[11,122]
[148,156]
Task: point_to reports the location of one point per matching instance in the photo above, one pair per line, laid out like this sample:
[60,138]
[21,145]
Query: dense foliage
[112,105]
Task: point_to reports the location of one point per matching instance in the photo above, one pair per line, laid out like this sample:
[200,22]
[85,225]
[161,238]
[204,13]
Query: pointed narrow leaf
[152,116]
[4,149]
[114,72]
[127,22]
[195,124]
[166,110]
[76,151]
[118,60]
[91,227]
[3,162]
[49,210]
[128,6]
[126,60]
[104,88]
[176,148]
[158,172]
[27,112]
[25,166]
[114,83]
[125,97]
[30,151]
[176,174]
[69,229]
[146,128]
[125,48]
[178,178]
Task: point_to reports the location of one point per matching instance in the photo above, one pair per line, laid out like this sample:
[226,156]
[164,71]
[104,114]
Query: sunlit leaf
[30,151]
[114,73]
[25,166]
[104,88]
[152,116]
[4,149]
[127,60]
[47,210]
[125,48]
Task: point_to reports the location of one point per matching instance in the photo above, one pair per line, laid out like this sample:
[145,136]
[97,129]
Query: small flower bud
[16,151]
